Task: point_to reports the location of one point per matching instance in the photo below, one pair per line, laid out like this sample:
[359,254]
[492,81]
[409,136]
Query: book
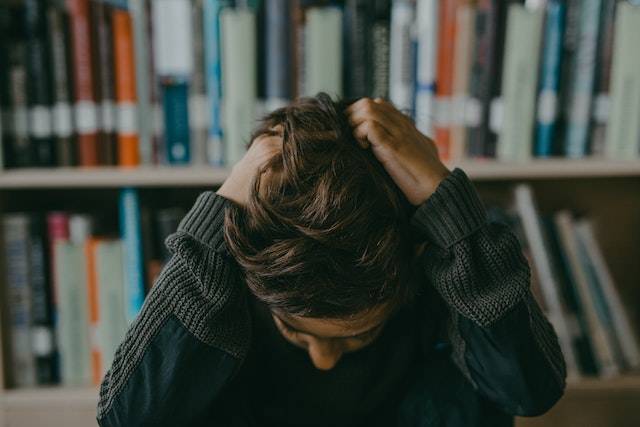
[6,117]
[213,70]
[601,99]
[603,352]
[173,57]
[85,108]
[125,89]
[519,83]
[581,88]
[16,244]
[623,129]
[198,103]
[555,308]
[42,340]
[549,84]
[357,64]
[427,45]
[19,152]
[277,72]
[626,335]
[444,77]
[73,317]
[38,87]
[102,67]
[484,66]
[92,303]
[465,16]
[379,43]
[237,26]
[62,112]
[144,80]
[323,51]
[112,324]
[131,236]
[401,55]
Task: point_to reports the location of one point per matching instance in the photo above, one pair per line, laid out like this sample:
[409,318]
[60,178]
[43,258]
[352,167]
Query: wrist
[430,179]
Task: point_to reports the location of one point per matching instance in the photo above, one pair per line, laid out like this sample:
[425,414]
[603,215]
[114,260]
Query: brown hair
[327,234]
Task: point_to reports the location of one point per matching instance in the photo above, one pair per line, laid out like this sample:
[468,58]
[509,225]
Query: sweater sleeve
[500,338]
[190,335]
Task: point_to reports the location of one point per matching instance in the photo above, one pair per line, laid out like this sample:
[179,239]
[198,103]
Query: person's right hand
[239,183]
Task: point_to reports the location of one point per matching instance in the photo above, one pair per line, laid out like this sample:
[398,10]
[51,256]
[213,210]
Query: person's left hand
[408,156]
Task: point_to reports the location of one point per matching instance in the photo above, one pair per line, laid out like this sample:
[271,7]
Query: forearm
[503,341]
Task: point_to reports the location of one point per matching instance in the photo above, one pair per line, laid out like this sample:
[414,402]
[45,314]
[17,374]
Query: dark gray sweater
[194,330]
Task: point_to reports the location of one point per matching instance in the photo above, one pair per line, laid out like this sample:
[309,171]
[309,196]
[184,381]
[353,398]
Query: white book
[623,129]
[112,324]
[238,31]
[557,311]
[626,336]
[401,61]
[603,352]
[427,58]
[172,38]
[520,82]
[323,51]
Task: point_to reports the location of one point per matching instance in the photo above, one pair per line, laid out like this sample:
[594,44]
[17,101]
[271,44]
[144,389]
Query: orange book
[444,77]
[93,295]
[125,88]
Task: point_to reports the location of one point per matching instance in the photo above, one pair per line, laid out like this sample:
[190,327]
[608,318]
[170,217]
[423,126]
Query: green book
[519,84]
[323,51]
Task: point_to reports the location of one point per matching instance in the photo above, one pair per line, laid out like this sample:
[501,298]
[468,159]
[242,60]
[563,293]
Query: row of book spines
[574,286]
[102,113]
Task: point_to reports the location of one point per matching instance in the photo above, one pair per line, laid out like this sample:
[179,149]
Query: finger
[372,132]
[397,116]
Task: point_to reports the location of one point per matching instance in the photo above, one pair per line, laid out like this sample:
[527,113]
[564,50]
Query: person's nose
[324,353]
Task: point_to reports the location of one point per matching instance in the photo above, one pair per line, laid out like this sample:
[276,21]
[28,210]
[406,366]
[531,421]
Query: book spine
[144,81]
[570,41]
[401,67]
[483,66]
[548,87]
[85,109]
[465,17]
[6,117]
[380,49]
[42,329]
[39,90]
[602,101]
[62,113]
[21,360]
[93,305]
[212,53]
[427,38]
[323,51]
[20,148]
[356,32]
[278,53]
[623,129]
[581,89]
[125,88]
[198,103]
[520,72]
[238,60]
[102,68]
[131,235]
[297,47]
[172,43]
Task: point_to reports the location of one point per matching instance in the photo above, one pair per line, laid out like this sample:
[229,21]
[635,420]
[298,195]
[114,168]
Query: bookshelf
[607,190]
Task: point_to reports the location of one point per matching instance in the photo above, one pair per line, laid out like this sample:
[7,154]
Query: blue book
[213,73]
[175,106]
[131,236]
[581,87]
[547,113]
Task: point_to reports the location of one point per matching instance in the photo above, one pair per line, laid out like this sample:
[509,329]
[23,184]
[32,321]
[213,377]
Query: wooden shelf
[105,177]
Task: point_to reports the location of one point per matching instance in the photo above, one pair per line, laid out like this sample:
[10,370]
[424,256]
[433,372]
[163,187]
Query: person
[340,276]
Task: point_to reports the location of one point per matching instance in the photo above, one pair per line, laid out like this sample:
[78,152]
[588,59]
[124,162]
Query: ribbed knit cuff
[453,212]
[205,220]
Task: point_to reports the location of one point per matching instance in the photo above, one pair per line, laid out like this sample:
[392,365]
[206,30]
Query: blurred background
[116,114]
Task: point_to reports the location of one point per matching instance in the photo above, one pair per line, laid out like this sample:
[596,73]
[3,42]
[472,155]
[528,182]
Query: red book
[125,76]
[444,76]
[86,114]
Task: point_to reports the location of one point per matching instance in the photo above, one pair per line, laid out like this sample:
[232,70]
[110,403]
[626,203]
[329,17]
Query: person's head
[324,239]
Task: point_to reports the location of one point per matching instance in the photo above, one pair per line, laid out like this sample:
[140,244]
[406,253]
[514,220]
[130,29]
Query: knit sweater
[194,329]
